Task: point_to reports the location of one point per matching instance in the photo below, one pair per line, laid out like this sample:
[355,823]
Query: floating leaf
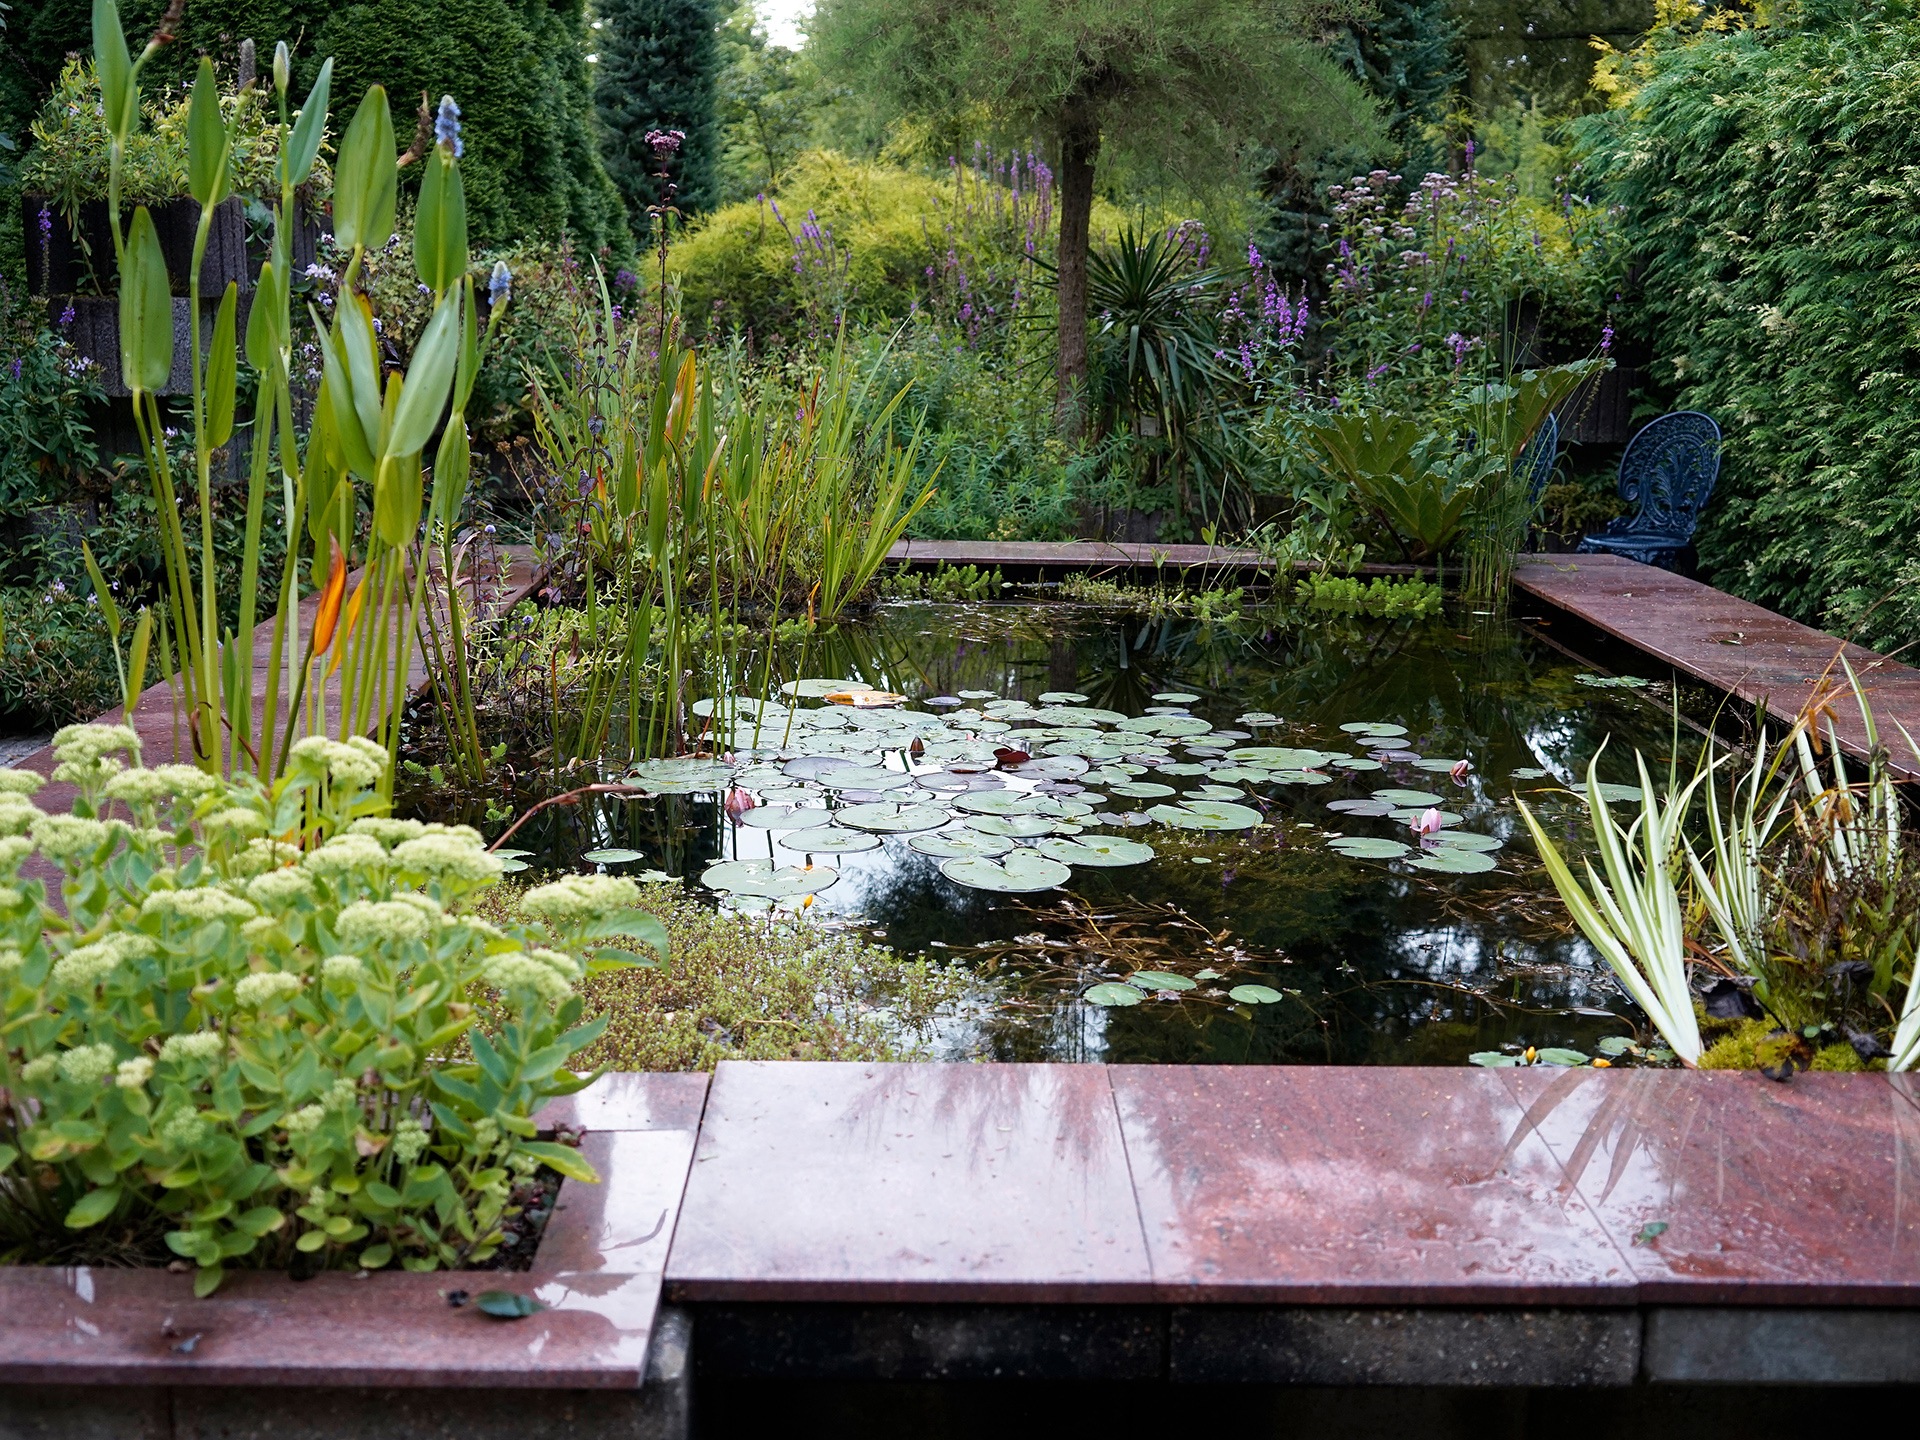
[1615,1044]
[1362,847]
[1451,861]
[1206,815]
[612,857]
[1466,840]
[994,802]
[768,817]
[1493,1060]
[1406,798]
[1181,768]
[893,817]
[1159,980]
[1112,994]
[1355,762]
[1175,697]
[1022,827]
[764,879]
[1361,807]
[961,844]
[866,777]
[829,840]
[818,689]
[1255,995]
[1530,772]
[1257,718]
[1172,726]
[1216,792]
[1020,873]
[1556,1055]
[1207,974]
[1142,790]
[1063,697]
[1099,851]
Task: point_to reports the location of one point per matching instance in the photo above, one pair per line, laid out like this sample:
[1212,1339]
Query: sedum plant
[261,1025]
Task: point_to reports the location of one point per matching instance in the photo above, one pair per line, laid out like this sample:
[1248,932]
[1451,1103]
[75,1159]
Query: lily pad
[1466,840]
[1449,860]
[1181,767]
[1063,697]
[961,844]
[613,856]
[1530,772]
[1021,873]
[818,689]
[829,840]
[767,880]
[893,817]
[1366,847]
[1405,798]
[1355,762]
[1218,792]
[994,802]
[1559,1055]
[1175,697]
[768,817]
[1096,851]
[866,777]
[1493,1060]
[1111,994]
[1142,789]
[1255,995]
[1159,980]
[1615,794]
[1019,827]
[1361,807]
[978,695]
[1172,726]
[1279,757]
[1257,718]
[1373,727]
[1206,815]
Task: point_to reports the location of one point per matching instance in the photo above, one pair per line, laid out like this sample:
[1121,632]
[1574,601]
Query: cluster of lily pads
[1012,796]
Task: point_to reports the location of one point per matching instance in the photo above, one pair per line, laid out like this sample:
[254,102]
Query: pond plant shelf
[1278,1225]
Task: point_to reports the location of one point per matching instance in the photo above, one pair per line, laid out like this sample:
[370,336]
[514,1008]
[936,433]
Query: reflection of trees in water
[1375,964]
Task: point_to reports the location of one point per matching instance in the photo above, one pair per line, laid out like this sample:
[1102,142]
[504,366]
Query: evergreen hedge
[1772,198]
[517,68]
[658,69]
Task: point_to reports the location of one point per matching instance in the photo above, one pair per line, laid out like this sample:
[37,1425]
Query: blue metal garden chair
[1666,475]
[1538,459]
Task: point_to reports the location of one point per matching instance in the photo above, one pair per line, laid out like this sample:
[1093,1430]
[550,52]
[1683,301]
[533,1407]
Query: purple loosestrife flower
[1376,372]
[446,127]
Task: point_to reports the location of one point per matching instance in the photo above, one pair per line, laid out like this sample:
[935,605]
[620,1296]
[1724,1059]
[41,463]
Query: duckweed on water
[741,987]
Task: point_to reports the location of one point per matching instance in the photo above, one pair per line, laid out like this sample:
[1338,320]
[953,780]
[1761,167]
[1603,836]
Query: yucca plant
[1634,917]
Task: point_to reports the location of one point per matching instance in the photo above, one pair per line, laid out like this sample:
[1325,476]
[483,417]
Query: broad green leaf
[93,1207]
[207,165]
[118,94]
[1255,995]
[364,176]
[1020,873]
[266,319]
[146,309]
[303,145]
[1493,1060]
[563,1158]
[1159,980]
[440,224]
[1557,1055]
[222,366]
[1113,994]
[429,379]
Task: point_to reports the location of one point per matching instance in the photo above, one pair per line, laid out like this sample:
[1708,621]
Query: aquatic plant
[248,1027]
[1634,917]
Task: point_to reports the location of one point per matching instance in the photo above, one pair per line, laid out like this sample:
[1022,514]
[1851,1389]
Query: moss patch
[742,987]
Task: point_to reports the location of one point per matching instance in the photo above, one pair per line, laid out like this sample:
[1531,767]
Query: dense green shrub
[238,1049]
[517,68]
[1770,196]
[659,60]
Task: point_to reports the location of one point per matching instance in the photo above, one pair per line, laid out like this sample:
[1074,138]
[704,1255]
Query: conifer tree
[659,61]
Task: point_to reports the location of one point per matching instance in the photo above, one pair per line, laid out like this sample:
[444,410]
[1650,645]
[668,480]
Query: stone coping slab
[597,1273]
[1300,1186]
[1731,644]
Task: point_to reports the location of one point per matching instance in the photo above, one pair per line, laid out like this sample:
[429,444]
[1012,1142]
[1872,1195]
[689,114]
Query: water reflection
[1376,963]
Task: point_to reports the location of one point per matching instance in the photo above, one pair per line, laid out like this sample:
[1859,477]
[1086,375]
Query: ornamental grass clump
[250,1031]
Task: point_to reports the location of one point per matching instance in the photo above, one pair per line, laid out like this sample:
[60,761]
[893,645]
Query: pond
[1168,839]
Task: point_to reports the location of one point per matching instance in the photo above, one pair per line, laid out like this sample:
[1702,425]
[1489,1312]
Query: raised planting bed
[91,1352]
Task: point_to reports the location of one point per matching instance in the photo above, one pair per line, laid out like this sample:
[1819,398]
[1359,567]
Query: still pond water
[1215,827]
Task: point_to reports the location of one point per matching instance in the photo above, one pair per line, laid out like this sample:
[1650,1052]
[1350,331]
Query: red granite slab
[631,1101]
[1731,644]
[818,1181]
[1338,1185]
[80,1326]
[624,1227]
[1800,1193]
[597,1274]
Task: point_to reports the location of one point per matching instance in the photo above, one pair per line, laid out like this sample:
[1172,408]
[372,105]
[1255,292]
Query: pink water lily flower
[1461,769]
[737,803]
[1429,823]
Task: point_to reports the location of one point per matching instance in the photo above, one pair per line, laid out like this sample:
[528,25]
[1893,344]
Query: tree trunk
[1079,149]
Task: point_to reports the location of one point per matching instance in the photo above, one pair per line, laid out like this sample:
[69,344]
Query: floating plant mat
[1288,810]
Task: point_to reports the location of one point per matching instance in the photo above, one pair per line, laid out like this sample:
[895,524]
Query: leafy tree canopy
[659,60]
